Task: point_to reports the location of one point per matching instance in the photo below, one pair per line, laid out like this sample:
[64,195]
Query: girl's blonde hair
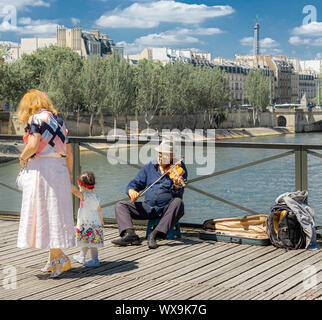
[32,102]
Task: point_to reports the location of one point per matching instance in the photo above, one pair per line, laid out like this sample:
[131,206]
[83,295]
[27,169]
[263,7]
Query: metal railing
[300,151]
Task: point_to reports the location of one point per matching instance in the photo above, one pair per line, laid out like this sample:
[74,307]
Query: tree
[178,88]
[93,86]
[119,81]
[318,93]
[15,82]
[211,93]
[148,85]
[257,92]
[62,83]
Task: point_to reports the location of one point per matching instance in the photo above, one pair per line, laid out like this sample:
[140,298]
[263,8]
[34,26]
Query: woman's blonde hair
[32,102]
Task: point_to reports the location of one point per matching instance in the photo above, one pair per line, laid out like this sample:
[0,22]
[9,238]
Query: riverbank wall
[238,123]
[11,150]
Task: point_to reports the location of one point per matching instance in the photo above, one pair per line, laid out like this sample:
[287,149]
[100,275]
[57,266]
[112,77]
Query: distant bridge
[300,120]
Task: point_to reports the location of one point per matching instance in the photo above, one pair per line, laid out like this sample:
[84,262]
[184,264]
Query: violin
[176,172]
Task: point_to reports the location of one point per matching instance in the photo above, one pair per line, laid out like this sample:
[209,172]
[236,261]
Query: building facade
[283,74]
[87,43]
[237,72]
[166,55]
[308,85]
[30,45]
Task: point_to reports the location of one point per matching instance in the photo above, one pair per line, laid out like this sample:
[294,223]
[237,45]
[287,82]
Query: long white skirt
[46,219]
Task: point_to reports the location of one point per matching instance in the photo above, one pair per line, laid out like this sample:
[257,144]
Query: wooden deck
[183,269]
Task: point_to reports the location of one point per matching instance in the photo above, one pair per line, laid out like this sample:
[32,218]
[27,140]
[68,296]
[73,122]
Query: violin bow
[164,173]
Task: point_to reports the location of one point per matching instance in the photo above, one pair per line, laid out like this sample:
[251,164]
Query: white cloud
[266,43]
[7,27]
[170,38]
[298,41]
[149,15]
[39,27]
[247,41]
[75,21]
[307,34]
[312,29]
[27,26]
[19,4]
[25,20]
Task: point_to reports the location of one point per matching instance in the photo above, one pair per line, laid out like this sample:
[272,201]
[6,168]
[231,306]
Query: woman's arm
[100,214]
[69,160]
[77,193]
[31,148]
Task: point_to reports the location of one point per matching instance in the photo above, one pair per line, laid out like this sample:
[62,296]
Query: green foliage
[148,85]
[92,86]
[211,92]
[112,85]
[14,83]
[257,89]
[119,84]
[178,90]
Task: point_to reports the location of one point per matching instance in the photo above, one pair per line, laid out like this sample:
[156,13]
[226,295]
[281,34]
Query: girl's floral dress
[89,229]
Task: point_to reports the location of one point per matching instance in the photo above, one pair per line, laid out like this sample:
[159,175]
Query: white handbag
[19,180]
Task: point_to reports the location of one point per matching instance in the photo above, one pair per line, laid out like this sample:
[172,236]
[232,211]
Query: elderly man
[162,201]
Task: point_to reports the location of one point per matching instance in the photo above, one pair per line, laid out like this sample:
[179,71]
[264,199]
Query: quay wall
[294,121]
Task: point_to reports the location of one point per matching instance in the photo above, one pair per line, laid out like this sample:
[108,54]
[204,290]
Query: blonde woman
[46,219]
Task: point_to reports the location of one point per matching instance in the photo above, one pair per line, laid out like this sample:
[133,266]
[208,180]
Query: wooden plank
[281,279]
[30,288]
[276,271]
[191,291]
[153,295]
[203,260]
[164,267]
[227,270]
[248,295]
[108,294]
[235,276]
[129,249]
[195,275]
[177,292]
[82,272]
[150,285]
[82,288]
[181,269]
[306,286]
[169,253]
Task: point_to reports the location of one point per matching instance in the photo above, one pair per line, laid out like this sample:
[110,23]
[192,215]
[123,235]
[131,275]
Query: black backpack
[290,234]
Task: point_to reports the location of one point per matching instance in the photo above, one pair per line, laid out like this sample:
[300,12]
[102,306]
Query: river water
[255,188]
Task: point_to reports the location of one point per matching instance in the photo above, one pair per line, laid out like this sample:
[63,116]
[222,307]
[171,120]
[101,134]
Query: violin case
[246,230]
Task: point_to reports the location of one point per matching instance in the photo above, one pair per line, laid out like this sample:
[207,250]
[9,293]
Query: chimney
[96,33]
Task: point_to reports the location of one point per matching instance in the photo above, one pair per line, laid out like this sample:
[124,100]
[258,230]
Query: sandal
[65,266]
[48,267]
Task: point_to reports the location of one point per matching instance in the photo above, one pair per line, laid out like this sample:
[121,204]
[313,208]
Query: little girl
[89,228]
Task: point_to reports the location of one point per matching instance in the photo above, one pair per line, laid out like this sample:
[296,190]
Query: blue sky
[223,28]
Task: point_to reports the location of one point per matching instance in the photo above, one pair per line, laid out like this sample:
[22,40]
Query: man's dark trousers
[125,211]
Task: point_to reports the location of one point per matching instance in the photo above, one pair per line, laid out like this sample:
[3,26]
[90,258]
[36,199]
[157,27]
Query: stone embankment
[11,150]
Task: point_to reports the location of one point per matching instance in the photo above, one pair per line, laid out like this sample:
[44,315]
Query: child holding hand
[89,227]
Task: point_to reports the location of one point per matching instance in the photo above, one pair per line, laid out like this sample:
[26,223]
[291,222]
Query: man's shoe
[127,240]
[152,243]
